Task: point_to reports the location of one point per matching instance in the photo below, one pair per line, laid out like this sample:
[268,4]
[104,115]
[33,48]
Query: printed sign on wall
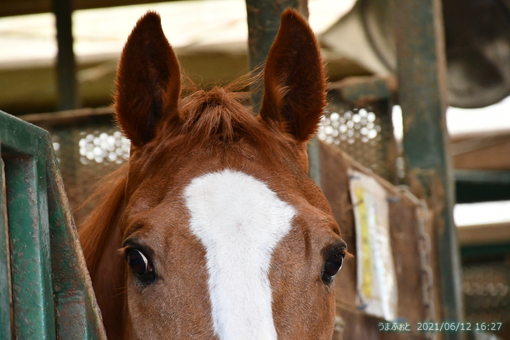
[377,283]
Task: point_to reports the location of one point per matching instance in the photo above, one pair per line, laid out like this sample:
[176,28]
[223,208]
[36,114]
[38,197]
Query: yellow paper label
[367,280]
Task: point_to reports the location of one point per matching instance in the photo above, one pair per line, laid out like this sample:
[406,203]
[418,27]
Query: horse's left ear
[148,82]
[294,80]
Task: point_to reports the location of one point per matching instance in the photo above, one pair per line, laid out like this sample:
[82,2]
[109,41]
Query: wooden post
[423,98]
[66,65]
[263,23]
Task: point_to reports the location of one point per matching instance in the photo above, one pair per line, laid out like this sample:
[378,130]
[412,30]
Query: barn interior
[59,59]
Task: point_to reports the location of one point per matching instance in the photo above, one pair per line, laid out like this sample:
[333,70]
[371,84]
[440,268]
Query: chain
[424,249]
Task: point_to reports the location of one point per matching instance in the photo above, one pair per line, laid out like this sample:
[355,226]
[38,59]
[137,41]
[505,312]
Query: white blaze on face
[239,220]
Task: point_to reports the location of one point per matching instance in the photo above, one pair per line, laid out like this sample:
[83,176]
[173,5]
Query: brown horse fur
[177,139]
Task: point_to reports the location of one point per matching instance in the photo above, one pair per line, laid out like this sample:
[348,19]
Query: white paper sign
[377,284]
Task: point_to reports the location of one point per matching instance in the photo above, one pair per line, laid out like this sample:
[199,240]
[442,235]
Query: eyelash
[141,265]
[332,265]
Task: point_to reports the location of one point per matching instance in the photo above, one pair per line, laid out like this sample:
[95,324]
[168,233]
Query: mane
[93,230]
[221,119]
[222,113]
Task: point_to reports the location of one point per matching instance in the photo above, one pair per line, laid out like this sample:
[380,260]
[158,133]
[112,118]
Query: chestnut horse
[213,230]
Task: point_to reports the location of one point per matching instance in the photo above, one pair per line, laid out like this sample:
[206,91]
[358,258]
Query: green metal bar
[314,161]
[482,185]
[422,93]
[20,137]
[72,318]
[77,316]
[5,268]
[30,248]
[66,64]
[485,252]
[62,303]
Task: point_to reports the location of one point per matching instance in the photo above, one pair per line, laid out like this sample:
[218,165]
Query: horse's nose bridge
[239,220]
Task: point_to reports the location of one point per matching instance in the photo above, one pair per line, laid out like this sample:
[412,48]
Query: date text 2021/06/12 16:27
[440,326]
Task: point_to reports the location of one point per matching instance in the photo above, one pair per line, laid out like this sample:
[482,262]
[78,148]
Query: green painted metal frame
[66,64]
[5,268]
[45,289]
[485,252]
[482,185]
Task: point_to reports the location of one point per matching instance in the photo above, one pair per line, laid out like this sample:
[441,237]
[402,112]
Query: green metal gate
[45,290]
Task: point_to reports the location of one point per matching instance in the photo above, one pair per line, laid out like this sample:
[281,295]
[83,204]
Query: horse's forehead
[220,199]
[239,220]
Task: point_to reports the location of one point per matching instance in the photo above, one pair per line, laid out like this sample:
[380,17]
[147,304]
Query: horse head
[222,234]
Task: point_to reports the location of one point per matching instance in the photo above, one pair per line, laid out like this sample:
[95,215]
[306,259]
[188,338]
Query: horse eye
[140,265]
[332,266]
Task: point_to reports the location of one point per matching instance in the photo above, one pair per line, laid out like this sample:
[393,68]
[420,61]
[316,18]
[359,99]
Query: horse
[213,229]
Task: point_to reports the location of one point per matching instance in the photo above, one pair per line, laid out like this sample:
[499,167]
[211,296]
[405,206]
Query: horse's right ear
[294,80]
[148,81]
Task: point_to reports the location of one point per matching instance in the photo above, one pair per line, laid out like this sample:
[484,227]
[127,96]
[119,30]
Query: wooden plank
[484,155]
[203,65]
[422,84]
[365,88]
[479,235]
[334,169]
[21,7]
[51,120]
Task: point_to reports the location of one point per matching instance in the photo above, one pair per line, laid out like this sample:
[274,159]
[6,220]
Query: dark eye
[332,266]
[140,265]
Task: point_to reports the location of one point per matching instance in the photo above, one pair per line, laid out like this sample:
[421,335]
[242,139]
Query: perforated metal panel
[86,154]
[88,147]
[364,132]
[486,289]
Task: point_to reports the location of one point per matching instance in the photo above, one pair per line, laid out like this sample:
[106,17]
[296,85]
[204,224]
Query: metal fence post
[5,268]
[423,98]
[52,295]
[66,65]
[263,23]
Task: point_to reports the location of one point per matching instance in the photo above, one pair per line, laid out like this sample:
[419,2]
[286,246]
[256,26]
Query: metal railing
[45,289]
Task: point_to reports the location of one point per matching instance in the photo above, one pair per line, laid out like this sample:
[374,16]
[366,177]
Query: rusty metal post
[263,23]
[423,98]
[66,65]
